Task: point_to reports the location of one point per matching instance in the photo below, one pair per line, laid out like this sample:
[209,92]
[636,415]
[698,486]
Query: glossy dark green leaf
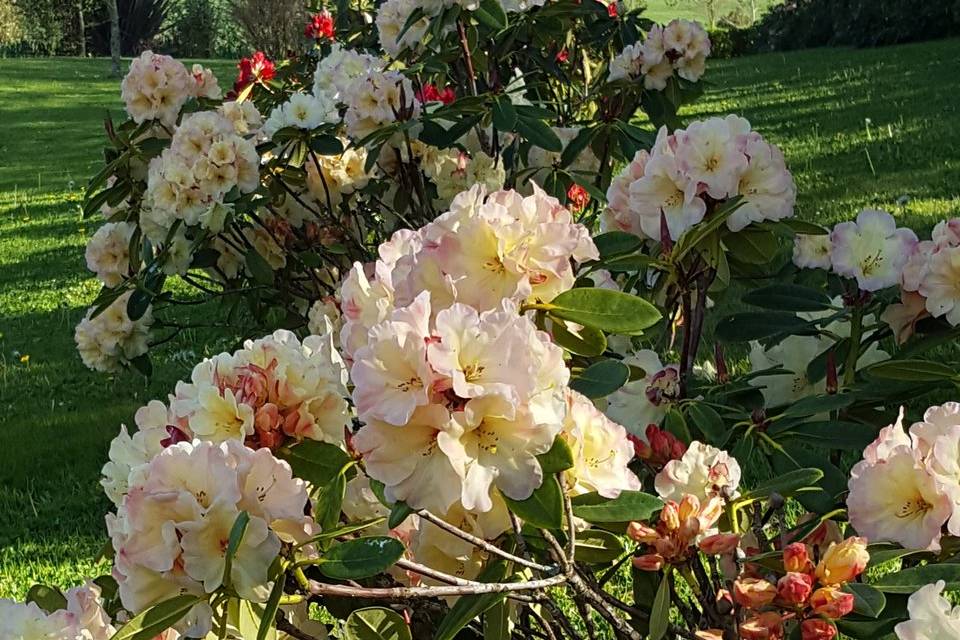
[490,13]
[813,405]
[157,618]
[316,462]
[601,378]
[138,303]
[753,246]
[544,508]
[258,267]
[558,458]
[376,623]
[605,309]
[596,546]
[361,557]
[629,505]
[846,436]
[49,599]
[912,371]
[756,325]
[504,114]
[786,484]
[539,134]
[707,421]
[399,512]
[616,243]
[910,580]
[467,608]
[269,617]
[586,341]
[326,145]
[868,601]
[788,297]
[660,614]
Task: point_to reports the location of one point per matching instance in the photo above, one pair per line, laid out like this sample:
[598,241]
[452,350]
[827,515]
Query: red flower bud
[720,543]
[648,562]
[817,629]
[831,602]
[578,197]
[796,559]
[320,26]
[794,588]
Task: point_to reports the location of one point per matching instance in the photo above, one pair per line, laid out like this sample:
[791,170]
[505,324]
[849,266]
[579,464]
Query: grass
[859,128]
[663,11]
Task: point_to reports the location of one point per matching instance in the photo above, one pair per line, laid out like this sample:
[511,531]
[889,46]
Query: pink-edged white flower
[601,451]
[872,250]
[665,192]
[708,154]
[83,618]
[931,615]
[626,64]
[766,186]
[645,401]
[156,87]
[897,499]
[917,265]
[941,285]
[703,471]
[108,252]
[946,233]
[812,251]
[111,340]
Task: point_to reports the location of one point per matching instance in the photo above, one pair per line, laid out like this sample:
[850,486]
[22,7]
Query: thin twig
[405,593]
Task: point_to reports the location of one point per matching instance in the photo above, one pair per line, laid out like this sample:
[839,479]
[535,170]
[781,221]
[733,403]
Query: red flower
[562,56]
[320,26]
[430,93]
[256,68]
[578,197]
[612,10]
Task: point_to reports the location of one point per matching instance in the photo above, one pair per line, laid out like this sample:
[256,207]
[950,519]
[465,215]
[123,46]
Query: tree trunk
[83,30]
[114,37]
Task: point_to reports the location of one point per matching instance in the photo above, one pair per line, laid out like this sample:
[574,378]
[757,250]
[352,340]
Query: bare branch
[406,593]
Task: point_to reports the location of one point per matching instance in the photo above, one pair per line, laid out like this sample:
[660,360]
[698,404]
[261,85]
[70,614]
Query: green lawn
[665,10]
[871,127]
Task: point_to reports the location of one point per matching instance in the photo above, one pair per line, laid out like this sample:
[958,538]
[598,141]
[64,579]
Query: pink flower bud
[649,562]
[720,543]
[843,562]
[796,559]
[794,588]
[817,629]
[831,602]
[763,626]
[640,532]
[753,593]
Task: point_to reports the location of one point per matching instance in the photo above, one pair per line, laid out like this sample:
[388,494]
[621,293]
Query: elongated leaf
[326,145]
[597,546]
[558,458]
[912,371]
[539,134]
[544,508]
[813,405]
[786,484]
[469,607]
[329,500]
[756,325]
[629,505]
[361,557]
[490,13]
[504,114]
[269,617]
[316,462]
[233,543]
[376,623]
[496,622]
[157,618]
[258,267]
[788,297]
[616,243]
[49,599]
[847,436]
[573,149]
[885,552]
[604,309]
[909,580]
[752,245]
[802,226]
[660,614]
[587,341]
[399,512]
[705,418]
[868,601]
[601,378]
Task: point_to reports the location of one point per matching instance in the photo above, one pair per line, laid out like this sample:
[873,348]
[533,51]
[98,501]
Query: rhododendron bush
[527,330]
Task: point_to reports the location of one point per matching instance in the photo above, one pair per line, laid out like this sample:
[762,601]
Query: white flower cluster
[454,171]
[907,487]
[205,84]
[681,47]
[711,160]
[83,618]
[112,339]
[376,99]
[188,181]
[302,111]
[337,70]
[339,176]
[156,88]
[273,390]
[704,472]
[171,529]
[108,252]
[483,250]
[244,116]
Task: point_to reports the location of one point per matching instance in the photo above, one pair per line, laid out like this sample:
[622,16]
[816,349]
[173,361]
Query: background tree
[114,36]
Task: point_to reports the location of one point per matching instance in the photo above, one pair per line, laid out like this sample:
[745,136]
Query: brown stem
[404,593]
[439,576]
[284,626]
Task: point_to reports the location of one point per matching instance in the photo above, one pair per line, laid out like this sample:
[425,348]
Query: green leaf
[601,378]
[788,297]
[912,371]
[577,145]
[604,309]
[544,508]
[269,617]
[376,623]
[752,245]
[615,243]
[258,267]
[316,462]
[361,557]
[674,423]
[326,145]
[142,364]
[587,341]
[157,618]
[469,607]
[705,419]
[329,500]
[909,580]
[833,482]
[597,546]
[539,134]
[629,505]
[885,552]
[802,226]
[504,114]
[785,484]
[496,622]
[846,436]
[138,303]
[867,601]
[558,458]
[49,599]
[660,614]
[626,264]
[756,325]
[399,512]
[490,13]
[813,405]
[233,543]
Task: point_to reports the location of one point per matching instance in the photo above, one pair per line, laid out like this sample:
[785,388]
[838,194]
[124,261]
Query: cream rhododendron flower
[110,340]
[626,64]
[941,285]
[83,618]
[339,68]
[205,84]
[766,185]
[376,99]
[642,402]
[812,251]
[665,192]
[170,531]
[703,472]
[932,617]
[708,154]
[872,250]
[156,88]
[601,451]
[108,252]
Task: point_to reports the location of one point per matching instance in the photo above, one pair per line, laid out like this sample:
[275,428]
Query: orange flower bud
[763,626]
[689,507]
[796,559]
[720,543]
[640,532]
[795,588]
[710,512]
[670,515]
[817,629]
[753,593]
[831,602]
[648,562]
[709,634]
[843,562]
[689,529]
